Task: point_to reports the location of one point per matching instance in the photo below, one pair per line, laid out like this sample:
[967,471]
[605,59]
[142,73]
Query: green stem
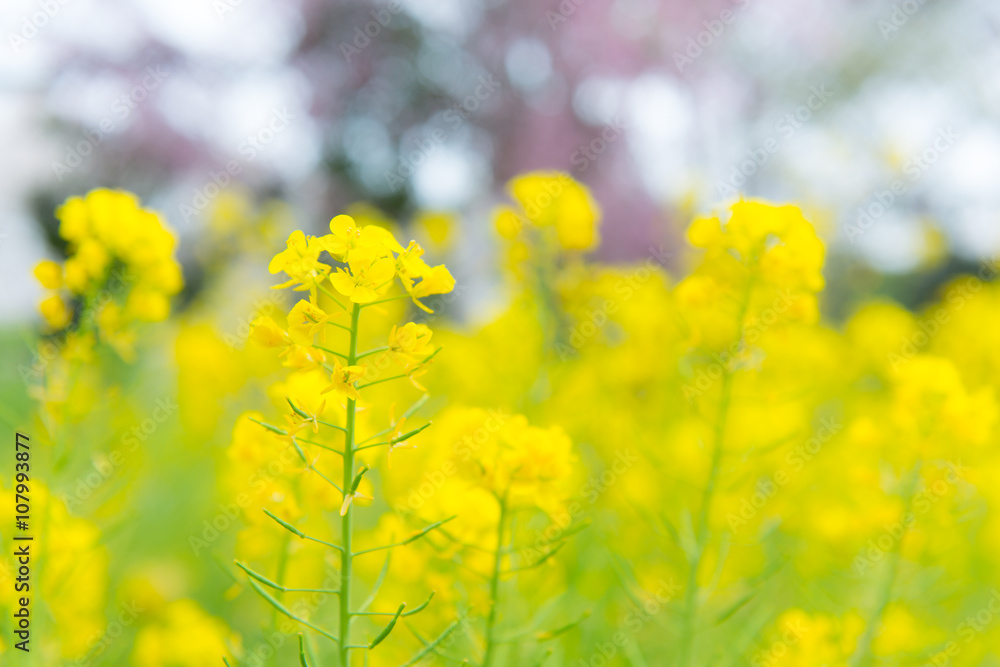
[282,565]
[491,620]
[701,526]
[690,613]
[346,527]
[387,300]
[863,654]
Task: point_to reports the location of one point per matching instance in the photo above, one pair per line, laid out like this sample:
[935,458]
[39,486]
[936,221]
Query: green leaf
[299,411]
[552,634]
[387,629]
[358,477]
[269,427]
[420,655]
[427,529]
[285,524]
[280,607]
[416,406]
[259,577]
[298,532]
[545,658]
[378,584]
[739,604]
[419,609]
[407,436]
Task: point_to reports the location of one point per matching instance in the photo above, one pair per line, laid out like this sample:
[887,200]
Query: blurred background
[879,118]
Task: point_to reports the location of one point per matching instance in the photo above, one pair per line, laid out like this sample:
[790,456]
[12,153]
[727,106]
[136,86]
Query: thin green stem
[491,620]
[690,609]
[338,325]
[377,435]
[318,444]
[377,444]
[690,613]
[326,349]
[282,565]
[863,656]
[384,348]
[388,379]
[347,555]
[325,423]
[332,297]
[391,298]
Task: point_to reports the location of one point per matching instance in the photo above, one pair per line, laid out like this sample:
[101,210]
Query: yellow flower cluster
[762,265]
[683,468]
[120,267]
[73,578]
[373,258]
[185,636]
[735,441]
[799,639]
[552,200]
[330,390]
[522,465]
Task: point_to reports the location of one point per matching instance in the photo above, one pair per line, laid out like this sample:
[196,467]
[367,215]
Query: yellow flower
[369,272]
[435,280]
[438,226]
[148,305]
[300,262]
[184,636]
[56,313]
[115,247]
[411,343]
[49,274]
[265,332]
[304,321]
[346,235]
[342,380]
[527,464]
[508,223]
[556,199]
[410,263]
